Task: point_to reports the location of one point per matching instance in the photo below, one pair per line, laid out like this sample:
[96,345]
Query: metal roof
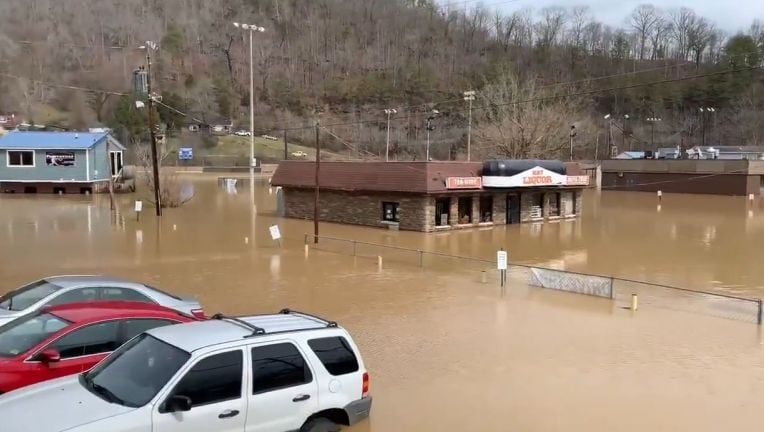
[52,140]
[406,177]
[196,335]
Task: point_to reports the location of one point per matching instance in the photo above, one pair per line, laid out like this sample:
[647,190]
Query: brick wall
[358,209]
[416,213]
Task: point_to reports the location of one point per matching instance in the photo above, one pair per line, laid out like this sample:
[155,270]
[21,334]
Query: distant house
[58,162]
[9,121]
[631,155]
[204,123]
[668,153]
[727,152]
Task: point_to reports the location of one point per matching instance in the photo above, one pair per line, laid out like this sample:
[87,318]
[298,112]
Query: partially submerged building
[432,196]
[58,162]
[719,177]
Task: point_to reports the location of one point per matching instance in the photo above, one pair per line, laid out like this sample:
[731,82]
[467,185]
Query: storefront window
[465,210]
[390,211]
[486,209]
[537,206]
[555,204]
[442,207]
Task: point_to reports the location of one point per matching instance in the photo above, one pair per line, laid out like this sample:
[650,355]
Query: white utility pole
[469,96]
[389,112]
[251,29]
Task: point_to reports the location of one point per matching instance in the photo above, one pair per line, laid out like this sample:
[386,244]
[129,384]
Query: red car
[69,339]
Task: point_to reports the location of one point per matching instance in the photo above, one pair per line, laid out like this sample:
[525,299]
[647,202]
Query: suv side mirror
[178,403]
[50,356]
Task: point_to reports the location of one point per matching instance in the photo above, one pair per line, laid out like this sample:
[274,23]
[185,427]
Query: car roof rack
[287,311]
[255,329]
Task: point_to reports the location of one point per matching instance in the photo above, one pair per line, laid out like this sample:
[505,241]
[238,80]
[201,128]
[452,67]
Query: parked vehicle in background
[268,373]
[69,339]
[58,290]
[243,133]
[299,154]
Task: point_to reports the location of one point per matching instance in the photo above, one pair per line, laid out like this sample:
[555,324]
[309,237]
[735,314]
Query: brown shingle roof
[410,177]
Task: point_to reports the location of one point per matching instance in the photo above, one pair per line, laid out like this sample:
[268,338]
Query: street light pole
[623,139]
[572,134]
[251,29]
[653,121]
[154,156]
[389,112]
[429,128]
[469,96]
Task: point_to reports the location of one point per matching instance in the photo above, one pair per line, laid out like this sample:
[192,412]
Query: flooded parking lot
[445,351]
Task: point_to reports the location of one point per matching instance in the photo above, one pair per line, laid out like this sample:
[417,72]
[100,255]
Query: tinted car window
[75,296]
[335,354]
[278,366]
[28,295]
[123,294]
[20,335]
[93,339]
[133,327]
[214,379]
[148,362]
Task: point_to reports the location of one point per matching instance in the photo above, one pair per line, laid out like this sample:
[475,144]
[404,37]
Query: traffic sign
[185,153]
[501,260]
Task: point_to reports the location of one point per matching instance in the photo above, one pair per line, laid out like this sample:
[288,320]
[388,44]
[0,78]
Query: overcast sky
[730,15]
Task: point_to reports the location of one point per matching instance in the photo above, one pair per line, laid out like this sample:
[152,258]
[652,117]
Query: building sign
[534,177]
[578,180]
[464,182]
[185,153]
[64,159]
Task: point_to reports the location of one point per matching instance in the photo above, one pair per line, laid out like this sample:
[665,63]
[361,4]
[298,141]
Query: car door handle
[228,414]
[301,398]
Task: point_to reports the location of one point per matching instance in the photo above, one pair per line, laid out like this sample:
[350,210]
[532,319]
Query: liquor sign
[537,176]
[464,182]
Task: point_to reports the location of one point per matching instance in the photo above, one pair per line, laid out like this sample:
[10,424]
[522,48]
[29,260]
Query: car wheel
[320,424]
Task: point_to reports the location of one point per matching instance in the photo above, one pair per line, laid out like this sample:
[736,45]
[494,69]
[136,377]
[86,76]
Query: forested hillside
[536,72]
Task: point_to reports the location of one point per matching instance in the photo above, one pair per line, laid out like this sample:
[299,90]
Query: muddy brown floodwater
[446,352]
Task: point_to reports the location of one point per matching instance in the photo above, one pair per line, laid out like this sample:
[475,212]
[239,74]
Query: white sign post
[138,210]
[275,234]
[502,264]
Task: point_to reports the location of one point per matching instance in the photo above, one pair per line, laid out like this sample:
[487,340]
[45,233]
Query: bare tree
[643,20]
[523,120]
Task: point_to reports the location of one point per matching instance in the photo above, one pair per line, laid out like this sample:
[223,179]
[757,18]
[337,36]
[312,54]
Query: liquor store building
[432,196]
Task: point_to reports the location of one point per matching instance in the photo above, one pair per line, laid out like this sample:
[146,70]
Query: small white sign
[501,260]
[138,206]
[275,232]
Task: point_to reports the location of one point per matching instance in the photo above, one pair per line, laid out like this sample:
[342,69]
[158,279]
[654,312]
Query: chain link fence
[617,289]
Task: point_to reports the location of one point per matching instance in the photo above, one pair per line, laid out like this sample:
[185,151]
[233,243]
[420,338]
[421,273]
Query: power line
[479,108]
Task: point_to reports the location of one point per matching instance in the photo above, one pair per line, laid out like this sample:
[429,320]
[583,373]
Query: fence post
[421,259]
[760,311]
[306,239]
[612,288]
[354,245]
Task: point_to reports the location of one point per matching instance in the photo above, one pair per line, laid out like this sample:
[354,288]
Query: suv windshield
[20,335]
[136,372]
[26,296]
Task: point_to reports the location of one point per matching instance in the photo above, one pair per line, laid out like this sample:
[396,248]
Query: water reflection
[440,345]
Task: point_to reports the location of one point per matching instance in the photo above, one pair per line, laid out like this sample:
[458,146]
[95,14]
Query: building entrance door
[513,209]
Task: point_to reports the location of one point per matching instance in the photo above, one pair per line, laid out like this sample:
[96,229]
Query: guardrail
[613,288]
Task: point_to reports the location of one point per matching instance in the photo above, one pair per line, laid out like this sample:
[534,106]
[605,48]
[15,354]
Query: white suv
[267,373]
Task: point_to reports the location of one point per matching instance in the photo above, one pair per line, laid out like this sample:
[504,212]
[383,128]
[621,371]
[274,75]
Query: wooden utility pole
[154,157]
[318,167]
[286,151]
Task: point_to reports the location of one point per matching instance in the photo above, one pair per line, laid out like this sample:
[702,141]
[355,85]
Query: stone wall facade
[418,212]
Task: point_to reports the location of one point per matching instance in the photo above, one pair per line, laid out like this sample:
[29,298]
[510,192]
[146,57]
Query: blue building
[58,162]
